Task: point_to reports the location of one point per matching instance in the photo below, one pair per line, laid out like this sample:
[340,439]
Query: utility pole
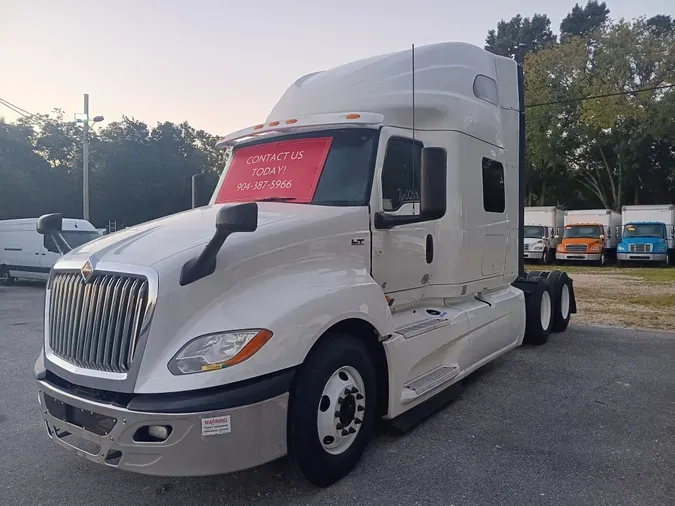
[85,159]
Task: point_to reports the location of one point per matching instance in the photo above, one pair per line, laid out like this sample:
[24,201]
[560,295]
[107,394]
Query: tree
[520,36]
[582,22]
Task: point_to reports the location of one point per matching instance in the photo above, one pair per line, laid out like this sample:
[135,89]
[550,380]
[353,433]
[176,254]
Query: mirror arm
[60,241]
[205,263]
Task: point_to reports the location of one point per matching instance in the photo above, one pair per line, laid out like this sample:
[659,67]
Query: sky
[221,65]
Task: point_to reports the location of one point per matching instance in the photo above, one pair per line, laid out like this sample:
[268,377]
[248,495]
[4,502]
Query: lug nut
[360,408]
[347,391]
[354,390]
[337,414]
[359,397]
[345,432]
[352,430]
[338,426]
[340,399]
[357,421]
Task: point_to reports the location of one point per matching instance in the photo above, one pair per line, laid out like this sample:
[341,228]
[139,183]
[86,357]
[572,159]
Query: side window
[401,173]
[493,186]
[49,244]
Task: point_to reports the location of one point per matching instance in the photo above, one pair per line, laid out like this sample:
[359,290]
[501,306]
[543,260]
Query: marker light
[211,352]
[291,121]
[274,123]
[353,116]
[258,127]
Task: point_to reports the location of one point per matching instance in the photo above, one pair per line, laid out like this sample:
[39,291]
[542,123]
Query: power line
[15,108]
[606,95]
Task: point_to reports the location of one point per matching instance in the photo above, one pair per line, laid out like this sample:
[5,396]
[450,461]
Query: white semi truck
[361,253]
[543,226]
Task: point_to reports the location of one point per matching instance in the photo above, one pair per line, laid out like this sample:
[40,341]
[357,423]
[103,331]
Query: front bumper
[642,257]
[582,257]
[533,254]
[214,441]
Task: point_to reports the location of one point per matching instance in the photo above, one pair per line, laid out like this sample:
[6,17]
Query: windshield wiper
[276,199]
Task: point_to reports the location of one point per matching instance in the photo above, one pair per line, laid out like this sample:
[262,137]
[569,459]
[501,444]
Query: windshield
[656,230]
[330,167]
[533,232]
[588,231]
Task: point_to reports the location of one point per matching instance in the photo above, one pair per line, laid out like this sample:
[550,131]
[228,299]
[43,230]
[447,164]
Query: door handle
[430,248]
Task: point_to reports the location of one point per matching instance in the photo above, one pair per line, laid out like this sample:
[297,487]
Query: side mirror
[433,192]
[602,236]
[199,196]
[230,219]
[50,225]
[557,236]
[543,237]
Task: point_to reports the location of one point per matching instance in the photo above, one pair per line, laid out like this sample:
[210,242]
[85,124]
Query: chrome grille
[640,248]
[96,325]
[526,247]
[576,248]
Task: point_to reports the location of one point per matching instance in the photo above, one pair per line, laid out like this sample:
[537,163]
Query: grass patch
[664,300]
[646,274]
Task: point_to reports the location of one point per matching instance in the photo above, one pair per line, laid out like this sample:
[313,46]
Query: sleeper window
[493,186]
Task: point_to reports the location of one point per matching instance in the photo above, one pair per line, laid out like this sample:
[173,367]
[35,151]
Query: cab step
[427,382]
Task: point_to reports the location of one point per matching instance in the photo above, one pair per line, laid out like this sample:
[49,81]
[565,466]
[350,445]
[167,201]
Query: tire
[318,405]
[619,263]
[538,309]
[561,290]
[5,277]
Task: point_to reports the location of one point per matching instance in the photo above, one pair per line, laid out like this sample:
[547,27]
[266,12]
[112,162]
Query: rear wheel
[5,277]
[538,313]
[561,289]
[332,410]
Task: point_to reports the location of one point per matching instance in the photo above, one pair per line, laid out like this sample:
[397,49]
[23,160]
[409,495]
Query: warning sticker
[216,425]
[284,169]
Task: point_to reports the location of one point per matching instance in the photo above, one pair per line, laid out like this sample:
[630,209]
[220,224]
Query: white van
[26,254]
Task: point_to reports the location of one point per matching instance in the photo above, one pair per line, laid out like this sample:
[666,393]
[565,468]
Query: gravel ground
[587,419]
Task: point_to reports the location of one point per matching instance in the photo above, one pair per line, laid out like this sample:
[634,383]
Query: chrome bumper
[642,257]
[202,443]
[582,257]
[533,254]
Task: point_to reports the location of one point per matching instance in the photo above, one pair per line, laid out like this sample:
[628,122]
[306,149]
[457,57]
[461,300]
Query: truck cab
[590,236]
[543,225]
[360,255]
[644,242]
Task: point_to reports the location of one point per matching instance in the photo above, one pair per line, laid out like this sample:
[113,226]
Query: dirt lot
[638,297]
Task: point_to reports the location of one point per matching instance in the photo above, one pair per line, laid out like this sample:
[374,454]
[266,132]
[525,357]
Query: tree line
[582,152]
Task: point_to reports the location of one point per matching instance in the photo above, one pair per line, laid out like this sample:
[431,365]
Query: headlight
[217,351]
[660,247]
[621,247]
[560,247]
[595,248]
[538,247]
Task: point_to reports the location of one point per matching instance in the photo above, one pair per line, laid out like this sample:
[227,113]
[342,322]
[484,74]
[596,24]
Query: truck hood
[149,243]
[532,240]
[643,240]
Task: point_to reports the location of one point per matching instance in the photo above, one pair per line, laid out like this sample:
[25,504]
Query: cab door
[399,262]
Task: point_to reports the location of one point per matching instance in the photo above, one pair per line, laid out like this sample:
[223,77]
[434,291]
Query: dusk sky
[221,65]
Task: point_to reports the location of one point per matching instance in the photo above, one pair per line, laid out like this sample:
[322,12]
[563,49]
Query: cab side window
[401,173]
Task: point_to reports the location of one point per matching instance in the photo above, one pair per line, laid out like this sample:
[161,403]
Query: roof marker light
[291,121]
[353,116]
[274,123]
[258,127]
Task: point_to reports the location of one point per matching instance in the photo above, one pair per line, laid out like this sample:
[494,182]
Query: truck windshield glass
[532,232]
[656,230]
[328,167]
[586,231]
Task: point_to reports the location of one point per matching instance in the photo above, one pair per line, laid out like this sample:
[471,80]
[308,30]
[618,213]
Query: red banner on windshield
[285,169]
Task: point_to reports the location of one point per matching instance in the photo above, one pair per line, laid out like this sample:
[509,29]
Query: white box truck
[590,235]
[361,253]
[648,234]
[26,254]
[543,226]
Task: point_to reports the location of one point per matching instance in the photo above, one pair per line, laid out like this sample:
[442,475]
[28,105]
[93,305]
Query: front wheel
[332,410]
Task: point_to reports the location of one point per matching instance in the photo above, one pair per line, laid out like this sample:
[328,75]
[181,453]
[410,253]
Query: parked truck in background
[543,226]
[361,253]
[648,234]
[25,254]
[590,236]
